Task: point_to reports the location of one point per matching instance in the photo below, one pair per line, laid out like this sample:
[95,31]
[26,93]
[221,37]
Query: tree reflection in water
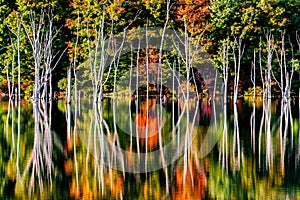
[268,165]
[147,122]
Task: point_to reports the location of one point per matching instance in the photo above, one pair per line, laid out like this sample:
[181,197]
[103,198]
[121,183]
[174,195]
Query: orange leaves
[194,13]
[192,187]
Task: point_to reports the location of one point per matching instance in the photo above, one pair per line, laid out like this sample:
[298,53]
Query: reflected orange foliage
[116,184]
[4,106]
[193,187]
[150,123]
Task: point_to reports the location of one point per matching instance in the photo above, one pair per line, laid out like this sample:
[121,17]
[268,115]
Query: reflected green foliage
[78,172]
[256,178]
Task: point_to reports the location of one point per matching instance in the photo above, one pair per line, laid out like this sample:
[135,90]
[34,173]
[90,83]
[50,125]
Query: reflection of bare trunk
[252,126]
[236,139]
[265,127]
[286,122]
[260,136]
[298,157]
[283,137]
[223,156]
[269,152]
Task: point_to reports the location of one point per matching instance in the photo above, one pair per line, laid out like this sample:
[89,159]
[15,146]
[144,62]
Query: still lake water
[256,155]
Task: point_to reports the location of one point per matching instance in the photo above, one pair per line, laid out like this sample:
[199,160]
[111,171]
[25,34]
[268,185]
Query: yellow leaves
[236,28]
[11,170]
[81,5]
[248,15]
[115,9]
[154,6]
[283,22]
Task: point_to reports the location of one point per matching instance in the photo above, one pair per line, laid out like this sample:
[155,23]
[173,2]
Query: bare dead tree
[225,62]
[286,75]
[298,42]
[237,57]
[224,53]
[40,33]
[17,34]
[252,118]
[268,71]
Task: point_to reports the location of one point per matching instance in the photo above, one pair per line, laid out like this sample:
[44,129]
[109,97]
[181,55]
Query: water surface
[256,155]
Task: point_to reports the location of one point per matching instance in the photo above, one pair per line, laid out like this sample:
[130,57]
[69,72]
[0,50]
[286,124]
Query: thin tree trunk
[270,46]
[237,66]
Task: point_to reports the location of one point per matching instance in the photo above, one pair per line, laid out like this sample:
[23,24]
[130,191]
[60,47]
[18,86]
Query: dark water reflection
[256,156]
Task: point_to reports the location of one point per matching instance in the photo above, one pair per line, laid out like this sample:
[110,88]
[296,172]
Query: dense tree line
[216,21]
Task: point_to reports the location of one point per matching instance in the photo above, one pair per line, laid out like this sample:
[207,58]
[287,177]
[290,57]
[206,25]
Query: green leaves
[248,20]
[296,64]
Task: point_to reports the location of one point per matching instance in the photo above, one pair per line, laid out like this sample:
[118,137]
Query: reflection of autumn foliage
[114,187]
[116,184]
[204,111]
[193,187]
[89,187]
[148,123]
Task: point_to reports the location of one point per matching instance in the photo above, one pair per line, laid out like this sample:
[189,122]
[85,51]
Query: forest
[254,44]
[231,131]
